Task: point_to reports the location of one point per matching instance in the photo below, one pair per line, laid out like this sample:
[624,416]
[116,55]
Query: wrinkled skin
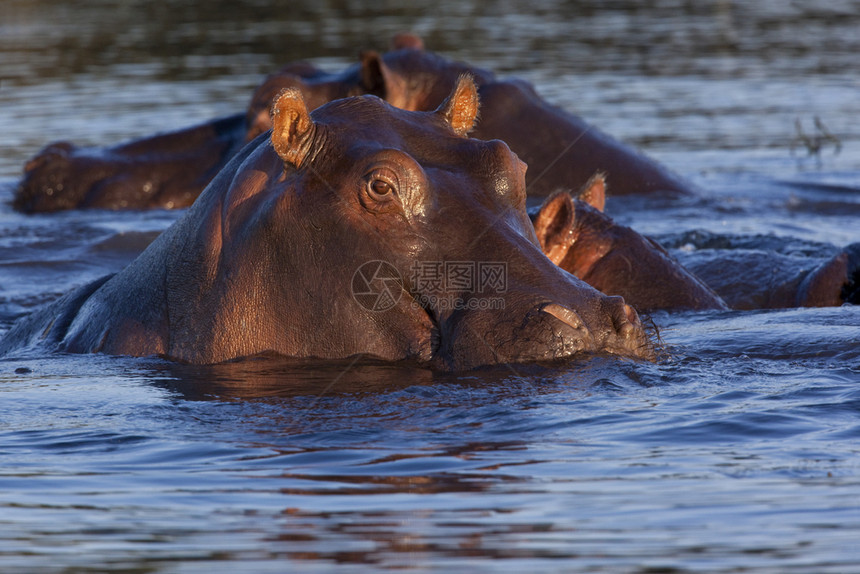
[265,260]
[578,237]
[762,279]
[170,170]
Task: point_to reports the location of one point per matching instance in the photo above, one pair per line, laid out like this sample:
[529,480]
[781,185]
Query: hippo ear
[406,41]
[460,109]
[372,77]
[554,225]
[292,127]
[594,192]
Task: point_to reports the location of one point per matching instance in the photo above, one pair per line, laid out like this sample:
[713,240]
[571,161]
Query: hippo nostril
[625,319]
[563,314]
[632,315]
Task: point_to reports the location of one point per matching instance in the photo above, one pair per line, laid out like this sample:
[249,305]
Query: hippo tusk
[563,314]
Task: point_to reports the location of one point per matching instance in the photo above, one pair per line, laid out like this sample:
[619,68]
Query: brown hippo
[578,237]
[170,170]
[166,170]
[561,150]
[754,274]
[833,282]
[273,256]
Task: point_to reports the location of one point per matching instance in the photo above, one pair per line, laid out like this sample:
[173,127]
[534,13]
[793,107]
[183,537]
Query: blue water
[740,451]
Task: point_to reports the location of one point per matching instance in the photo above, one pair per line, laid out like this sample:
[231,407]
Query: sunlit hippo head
[370,75]
[578,237]
[360,229]
[317,88]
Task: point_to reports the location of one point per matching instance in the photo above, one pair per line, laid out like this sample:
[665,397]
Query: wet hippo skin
[762,278]
[561,149]
[578,237]
[169,170]
[266,259]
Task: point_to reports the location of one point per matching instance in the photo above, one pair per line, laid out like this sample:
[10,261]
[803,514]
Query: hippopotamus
[560,148]
[833,282]
[578,237]
[166,170]
[169,170]
[766,272]
[273,257]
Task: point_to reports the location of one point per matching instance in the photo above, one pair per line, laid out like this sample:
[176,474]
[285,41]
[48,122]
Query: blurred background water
[739,453]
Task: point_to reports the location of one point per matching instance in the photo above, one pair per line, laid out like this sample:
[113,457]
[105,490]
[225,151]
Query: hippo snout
[47,180]
[625,319]
[621,332]
[548,331]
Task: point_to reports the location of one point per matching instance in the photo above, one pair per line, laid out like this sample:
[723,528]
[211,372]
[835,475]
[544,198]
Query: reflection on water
[737,452]
[636,72]
[603,467]
[186,40]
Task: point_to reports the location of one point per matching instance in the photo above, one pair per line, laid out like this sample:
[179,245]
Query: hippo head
[578,237]
[407,77]
[366,229]
[48,183]
[317,87]
[358,230]
[413,79]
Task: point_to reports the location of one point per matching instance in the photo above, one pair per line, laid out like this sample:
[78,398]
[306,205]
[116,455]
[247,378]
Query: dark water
[741,452]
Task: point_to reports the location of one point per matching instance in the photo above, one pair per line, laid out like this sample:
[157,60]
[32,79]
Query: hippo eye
[380,187]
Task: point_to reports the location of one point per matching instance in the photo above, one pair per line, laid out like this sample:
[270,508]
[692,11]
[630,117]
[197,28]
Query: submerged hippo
[760,273]
[560,148]
[166,170]
[169,170]
[578,237]
[266,260]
